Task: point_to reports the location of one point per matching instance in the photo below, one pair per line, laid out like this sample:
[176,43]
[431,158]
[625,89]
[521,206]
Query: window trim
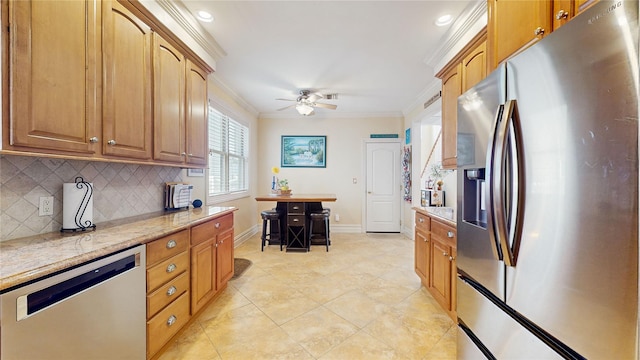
[230,196]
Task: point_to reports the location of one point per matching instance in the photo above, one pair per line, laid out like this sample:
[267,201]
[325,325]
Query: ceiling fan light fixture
[304,109]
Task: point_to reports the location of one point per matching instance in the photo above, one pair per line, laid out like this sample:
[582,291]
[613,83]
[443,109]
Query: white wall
[344,161]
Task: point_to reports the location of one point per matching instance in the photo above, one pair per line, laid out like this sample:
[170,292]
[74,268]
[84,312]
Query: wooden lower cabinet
[185,271]
[167,288]
[211,259]
[435,264]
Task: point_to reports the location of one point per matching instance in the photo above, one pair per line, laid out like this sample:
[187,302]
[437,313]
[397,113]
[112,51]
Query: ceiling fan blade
[286,99]
[286,107]
[326,106]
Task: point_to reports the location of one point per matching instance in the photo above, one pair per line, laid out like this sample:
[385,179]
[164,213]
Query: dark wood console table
[295,208]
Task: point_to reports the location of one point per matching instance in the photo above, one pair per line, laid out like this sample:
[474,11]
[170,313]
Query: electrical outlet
[46,206]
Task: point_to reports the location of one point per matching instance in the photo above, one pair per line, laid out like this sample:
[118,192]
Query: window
[228,156]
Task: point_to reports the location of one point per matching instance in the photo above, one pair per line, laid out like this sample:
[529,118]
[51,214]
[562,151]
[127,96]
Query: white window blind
[228,155]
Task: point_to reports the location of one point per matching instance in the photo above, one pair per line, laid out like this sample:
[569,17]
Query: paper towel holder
[88,193]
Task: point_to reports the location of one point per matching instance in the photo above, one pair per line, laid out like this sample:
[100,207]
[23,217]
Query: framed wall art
[303,151]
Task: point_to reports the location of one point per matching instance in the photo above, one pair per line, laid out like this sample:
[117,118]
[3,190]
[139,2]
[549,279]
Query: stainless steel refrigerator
[548,197]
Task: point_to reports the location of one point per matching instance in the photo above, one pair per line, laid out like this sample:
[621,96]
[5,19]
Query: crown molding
[431,89]
[466,21]
[239,100]
[183,17]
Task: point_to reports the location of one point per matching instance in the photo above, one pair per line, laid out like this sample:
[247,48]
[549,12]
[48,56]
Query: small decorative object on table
[283,187]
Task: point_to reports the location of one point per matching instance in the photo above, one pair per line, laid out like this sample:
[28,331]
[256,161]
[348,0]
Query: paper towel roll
[77,205]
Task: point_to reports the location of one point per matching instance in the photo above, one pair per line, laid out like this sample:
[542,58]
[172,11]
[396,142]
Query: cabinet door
[514,24]
[474,66]
[441,273]
[582,5]
[451,89]
[197,105]
[126,121]
[169,90]
[562,12]
[224,264]
[203,274]
[422,255]
[53,49]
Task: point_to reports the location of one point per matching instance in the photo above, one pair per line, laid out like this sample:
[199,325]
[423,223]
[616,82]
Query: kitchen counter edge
[25,259]
[429,212]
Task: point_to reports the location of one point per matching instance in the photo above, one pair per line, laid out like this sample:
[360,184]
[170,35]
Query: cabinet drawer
[423,221]
[167,246]
[167,270]
[167,323]
[165,294]
[295,208]
[203,232]
[444,233]
[295,220]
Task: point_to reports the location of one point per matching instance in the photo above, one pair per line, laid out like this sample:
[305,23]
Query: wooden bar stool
[271,217]
[323,216]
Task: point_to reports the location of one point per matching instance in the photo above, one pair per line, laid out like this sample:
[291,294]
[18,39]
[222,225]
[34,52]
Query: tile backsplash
[120,191]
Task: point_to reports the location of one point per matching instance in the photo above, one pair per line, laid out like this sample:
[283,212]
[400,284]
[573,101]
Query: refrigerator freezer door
[502,336]
[577,95]
[478,255]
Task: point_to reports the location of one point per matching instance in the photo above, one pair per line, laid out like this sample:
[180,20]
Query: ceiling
[373,54]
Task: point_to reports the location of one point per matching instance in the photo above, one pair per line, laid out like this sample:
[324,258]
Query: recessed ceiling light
[444,20]
[204,16]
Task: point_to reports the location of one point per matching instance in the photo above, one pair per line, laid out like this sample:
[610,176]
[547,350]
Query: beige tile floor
[360,300]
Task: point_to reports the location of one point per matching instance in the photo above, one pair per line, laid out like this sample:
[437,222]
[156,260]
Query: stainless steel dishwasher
[96,310]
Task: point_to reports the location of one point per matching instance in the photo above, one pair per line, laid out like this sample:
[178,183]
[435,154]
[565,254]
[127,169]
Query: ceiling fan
[306,103]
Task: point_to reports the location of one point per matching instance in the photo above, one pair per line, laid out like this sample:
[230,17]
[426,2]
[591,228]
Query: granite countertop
[30,258]
[447,214]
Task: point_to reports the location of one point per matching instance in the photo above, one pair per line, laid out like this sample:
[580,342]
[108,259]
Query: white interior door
[383,187]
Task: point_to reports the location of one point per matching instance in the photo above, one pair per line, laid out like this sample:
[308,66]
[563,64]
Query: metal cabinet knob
[295,220]
[111,142]
[450,234]
[189,154]
[562,15]
[172,290]
[172,320]
[93,140]
[538,31]
[183,154]
[171,244]
[171,268]
[217,225]
[451,258]
[421,220]
[445,254]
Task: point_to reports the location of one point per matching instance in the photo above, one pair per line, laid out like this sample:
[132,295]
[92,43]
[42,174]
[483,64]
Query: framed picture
[304,151]
[436,198]
[195,172]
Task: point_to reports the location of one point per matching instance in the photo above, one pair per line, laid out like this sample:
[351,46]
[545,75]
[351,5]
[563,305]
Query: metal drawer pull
[93,140]
[296,208]
[562,15]
[172,320]
[295,220]
[421,220]
[538,31]
[172,290]
[217,225]
[450,234]
[111,142]
[171,268]
[171,244]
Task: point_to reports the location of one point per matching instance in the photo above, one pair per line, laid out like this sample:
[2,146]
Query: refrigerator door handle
[489,179]
[508,189]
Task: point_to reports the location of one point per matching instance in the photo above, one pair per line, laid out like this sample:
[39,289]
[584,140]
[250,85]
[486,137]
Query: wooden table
[295,208]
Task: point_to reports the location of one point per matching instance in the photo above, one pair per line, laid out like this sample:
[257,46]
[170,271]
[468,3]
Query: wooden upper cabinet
[514,25]
[474,66]
[451,89]
[53,47]
[127,87]
[582,5]
[169,92]
[197,105]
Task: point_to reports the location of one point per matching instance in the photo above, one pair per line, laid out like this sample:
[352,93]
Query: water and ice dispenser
[473,200]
